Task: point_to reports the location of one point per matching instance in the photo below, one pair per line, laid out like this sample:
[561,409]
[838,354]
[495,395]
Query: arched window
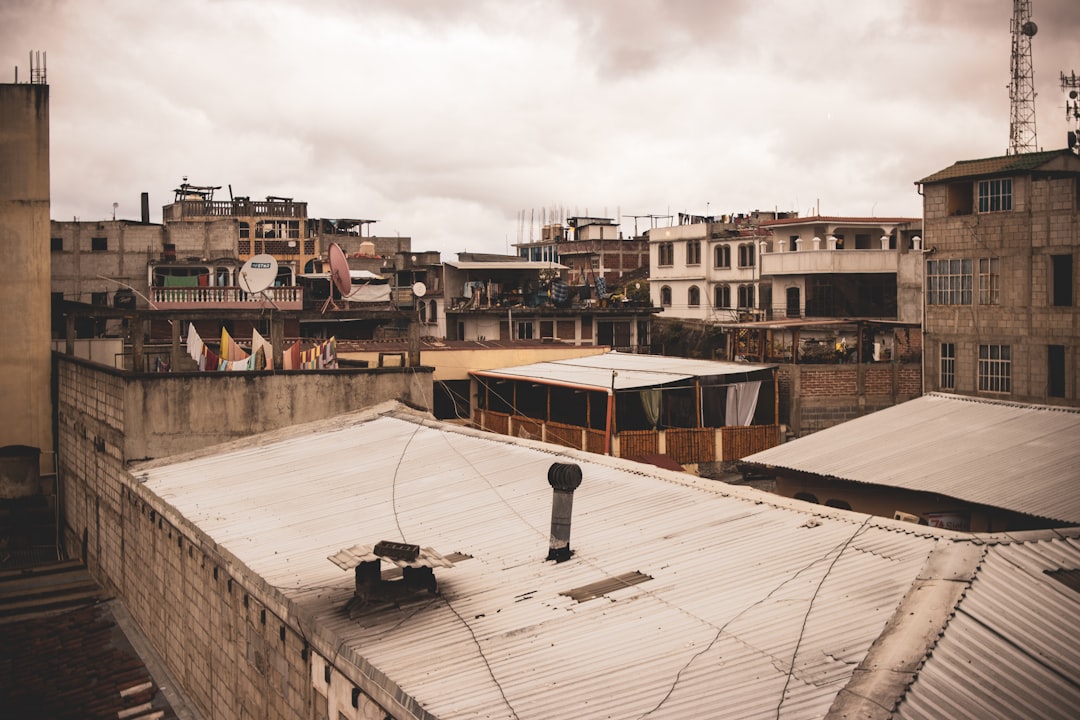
[842,504]
[422,311]
[746,255]
[806,497]
[722,256]
[722,296]
[433,313]
[665,296]
[693,296]
[693,252]
[746,296]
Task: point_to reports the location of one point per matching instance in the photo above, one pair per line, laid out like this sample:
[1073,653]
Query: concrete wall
[173,413]
[1045,221]
[233,642]
[24,273]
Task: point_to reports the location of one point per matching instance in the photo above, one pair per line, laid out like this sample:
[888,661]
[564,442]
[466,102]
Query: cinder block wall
[816,397]
[230,640]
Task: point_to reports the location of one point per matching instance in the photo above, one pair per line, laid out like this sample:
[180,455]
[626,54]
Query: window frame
[665,296]
[990,281]
[722,296]
[693,252]
[746,297]
[746,255]
[994,374]
[949,281]
[693,296]
[1061,280]
[995,195]
[99,244]
[722,256]
[665,254]
[947,366]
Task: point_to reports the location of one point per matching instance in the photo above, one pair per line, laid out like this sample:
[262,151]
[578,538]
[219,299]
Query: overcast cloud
[444,119]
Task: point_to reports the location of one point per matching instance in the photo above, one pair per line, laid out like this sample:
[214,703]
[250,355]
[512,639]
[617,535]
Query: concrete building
[590,248]
[837,267]
[255,570]
[1002,239]
[706,269]
[25,367]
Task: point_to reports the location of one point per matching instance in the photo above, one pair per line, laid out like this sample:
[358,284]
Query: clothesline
[231,357]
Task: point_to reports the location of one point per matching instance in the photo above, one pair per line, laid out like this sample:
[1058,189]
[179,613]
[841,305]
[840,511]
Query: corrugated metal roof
[1013,610]
[504,265]
[1024,458]
[1002,165]
[622,371]
[755,606]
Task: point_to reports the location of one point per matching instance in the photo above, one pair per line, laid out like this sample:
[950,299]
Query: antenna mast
[1022,87]
[1071,83]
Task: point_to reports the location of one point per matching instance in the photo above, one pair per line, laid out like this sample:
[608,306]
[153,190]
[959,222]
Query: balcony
[807,262]
[199,209]
[225,297]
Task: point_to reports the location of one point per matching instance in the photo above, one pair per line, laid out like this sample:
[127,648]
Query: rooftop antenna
[37,67]
[1071,82]
[340,277]
[1022,86]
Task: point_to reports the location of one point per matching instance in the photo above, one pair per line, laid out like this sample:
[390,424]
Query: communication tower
[1022,87]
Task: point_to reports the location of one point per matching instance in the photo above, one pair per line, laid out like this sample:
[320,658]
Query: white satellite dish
[257,274]
[419,289]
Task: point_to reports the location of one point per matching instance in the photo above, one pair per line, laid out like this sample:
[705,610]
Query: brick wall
[815,397]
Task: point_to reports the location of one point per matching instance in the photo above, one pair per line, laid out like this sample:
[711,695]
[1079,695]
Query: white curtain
[741,403]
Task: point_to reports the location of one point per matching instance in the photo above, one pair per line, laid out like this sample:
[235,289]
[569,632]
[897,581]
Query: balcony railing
[183,209]
[190,298]
[684,445]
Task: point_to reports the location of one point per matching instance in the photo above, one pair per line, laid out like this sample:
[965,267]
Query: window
[746,296]
[665,296]
[433,314]
[806,497]
[99,298]
[422,311]
[959,198]
[722,296]
[722,256]
[99,244]
[693,296]
[995,195]
[524,331]
[995,368]
[746,255]
[693,252]
[56,244]
[947,380]
[948,282]
[245,231]
[1061,280]
[1055,371]
[665,253]
[989,273]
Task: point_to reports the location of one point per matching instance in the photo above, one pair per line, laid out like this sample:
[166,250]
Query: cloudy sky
[446,119]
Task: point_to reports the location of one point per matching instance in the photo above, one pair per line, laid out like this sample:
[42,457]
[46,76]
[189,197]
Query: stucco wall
[24,272]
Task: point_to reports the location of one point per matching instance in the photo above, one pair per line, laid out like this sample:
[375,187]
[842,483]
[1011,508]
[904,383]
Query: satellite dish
[257,274]
[419,289]
[1029,28]
[339,270]
[340,277]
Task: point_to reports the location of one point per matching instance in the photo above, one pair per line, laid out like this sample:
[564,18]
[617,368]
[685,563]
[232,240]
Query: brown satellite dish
[340,277]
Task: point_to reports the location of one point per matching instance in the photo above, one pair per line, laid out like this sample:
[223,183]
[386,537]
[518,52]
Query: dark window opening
[841,504]
[99,244]
[56,244]
[1062,280]
[960,200]
[1055,371]
[806,497]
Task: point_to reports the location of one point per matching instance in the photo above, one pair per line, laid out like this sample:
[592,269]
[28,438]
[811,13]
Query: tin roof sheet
[623,371]
[755,605]
[1001,165]
[1024,458]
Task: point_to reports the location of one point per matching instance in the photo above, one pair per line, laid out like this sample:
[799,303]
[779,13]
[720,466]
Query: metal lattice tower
[1022,87]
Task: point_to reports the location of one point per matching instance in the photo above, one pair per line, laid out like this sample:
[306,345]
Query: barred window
[995,368]
[989,281]
[948,282]
[995,195]
[948,366]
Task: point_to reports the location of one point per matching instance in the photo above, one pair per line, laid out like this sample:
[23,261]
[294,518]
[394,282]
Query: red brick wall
[829,381]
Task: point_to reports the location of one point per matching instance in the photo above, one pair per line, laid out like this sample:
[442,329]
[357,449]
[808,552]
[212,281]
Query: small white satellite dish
[419,289]
[257,274]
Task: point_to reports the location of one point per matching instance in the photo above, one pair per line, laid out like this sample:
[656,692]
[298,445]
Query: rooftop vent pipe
[564,479]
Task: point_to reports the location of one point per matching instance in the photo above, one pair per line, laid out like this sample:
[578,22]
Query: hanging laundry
[229,350]
[258,342]
[559,290]
[210,361]
[194,343]
[601,287]
[291,357]
[328,354]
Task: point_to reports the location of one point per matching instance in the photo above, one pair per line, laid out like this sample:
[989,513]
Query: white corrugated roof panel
[504,265]
[1024,458]
[755,607]
[1011,649]
[623,371]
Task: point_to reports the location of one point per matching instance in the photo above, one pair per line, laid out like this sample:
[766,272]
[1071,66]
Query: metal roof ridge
[1002,403]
